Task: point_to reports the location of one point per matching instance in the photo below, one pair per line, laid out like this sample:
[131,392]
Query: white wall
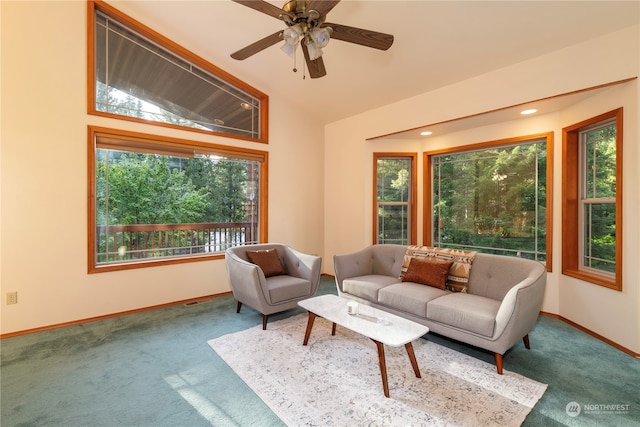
[43,242]
[349,176]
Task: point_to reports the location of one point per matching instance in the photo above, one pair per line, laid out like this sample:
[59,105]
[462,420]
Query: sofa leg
[238,307]
[526,342]
[498,358]
[264,321]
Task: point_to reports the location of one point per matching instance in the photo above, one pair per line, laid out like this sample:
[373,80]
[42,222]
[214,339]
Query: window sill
[596,279]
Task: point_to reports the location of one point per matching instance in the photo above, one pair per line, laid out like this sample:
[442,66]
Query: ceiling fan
[306,26]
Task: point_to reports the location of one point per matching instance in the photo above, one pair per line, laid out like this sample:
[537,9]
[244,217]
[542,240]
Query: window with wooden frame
[592,200]
[492,197]
[139,75]
[394,210]
[156,200]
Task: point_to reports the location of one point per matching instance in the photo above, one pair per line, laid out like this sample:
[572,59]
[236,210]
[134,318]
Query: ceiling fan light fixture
[289,49]
[315,51]
[320,36]
[291,35]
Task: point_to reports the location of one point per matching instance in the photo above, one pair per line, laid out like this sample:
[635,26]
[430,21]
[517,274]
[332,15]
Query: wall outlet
[12,298]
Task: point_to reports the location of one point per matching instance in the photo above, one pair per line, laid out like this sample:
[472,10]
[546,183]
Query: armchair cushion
[268,261]
[284,288]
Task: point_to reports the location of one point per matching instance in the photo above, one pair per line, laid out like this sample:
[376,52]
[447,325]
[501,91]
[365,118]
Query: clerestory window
[592,200]
[137,74]
[159,200]
[492,197]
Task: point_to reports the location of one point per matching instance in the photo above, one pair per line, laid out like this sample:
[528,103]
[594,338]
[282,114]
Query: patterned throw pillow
[268,260]
[430,271]
[459,271]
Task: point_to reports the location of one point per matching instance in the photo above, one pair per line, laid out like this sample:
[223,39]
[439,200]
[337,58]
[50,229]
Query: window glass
[156,201]
[492,200]
[592,200]
[138,78]
[598,219]
[394,188]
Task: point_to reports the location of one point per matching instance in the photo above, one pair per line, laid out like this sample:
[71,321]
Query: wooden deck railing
[129,242]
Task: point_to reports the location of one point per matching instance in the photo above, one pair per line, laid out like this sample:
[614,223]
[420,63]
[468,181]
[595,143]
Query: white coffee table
[381,327]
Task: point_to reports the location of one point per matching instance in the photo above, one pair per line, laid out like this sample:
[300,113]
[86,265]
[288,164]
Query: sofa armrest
[519,309]
[355,264]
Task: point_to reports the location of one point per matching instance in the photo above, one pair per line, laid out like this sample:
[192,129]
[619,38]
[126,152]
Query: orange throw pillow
[428,271]
[268,261]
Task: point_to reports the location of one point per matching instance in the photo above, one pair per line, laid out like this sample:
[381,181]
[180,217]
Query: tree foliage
[143,189]
[392,187]
[153,189]
[493,198]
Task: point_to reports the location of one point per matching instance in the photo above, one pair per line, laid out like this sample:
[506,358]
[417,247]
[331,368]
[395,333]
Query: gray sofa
[501,305]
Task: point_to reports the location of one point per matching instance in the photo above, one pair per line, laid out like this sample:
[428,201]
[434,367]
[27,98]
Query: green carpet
[155,369]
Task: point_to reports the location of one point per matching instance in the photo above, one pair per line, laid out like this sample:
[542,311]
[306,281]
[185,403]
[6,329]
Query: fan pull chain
[304,70]
[295,61]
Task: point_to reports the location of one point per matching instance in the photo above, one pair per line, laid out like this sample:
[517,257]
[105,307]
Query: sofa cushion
[430,271]
[268,261]
[409,297]
[468,312]
[367,287]
[283,288]
[459,272]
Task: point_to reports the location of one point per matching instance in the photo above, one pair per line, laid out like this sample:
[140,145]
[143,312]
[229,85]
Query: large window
[492,197]
[592,214]
[394,207]
[139,75]
[163,200]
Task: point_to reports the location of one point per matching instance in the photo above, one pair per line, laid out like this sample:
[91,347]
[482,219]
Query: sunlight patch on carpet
[335,380]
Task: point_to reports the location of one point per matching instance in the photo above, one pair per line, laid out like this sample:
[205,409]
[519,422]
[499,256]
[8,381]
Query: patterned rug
[335,380]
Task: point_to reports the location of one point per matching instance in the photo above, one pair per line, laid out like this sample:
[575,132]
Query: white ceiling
[437,43]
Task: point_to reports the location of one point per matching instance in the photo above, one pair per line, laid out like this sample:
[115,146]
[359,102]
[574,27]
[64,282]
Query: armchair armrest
[304,266]
[246,280]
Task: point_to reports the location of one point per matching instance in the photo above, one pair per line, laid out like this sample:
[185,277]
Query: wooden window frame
[571,180]
[427,236]
[165,43]
[165,145]
[413,232]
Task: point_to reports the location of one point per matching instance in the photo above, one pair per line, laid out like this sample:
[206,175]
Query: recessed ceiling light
[530,111]
[218,122]
[426,133]
[245,105]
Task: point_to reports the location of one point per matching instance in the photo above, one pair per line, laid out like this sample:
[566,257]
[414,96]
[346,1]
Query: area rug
[335,380]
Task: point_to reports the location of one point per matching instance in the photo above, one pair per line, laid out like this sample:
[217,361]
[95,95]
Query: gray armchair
[296,277]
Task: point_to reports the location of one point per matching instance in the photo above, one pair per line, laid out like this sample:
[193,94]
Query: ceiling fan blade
[316,67]
[264,7]
[256,47]
[359,36]
[321,6]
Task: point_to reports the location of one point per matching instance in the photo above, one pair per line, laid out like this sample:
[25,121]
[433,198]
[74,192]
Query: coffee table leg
[383,367]
[412,358]
[312,317]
